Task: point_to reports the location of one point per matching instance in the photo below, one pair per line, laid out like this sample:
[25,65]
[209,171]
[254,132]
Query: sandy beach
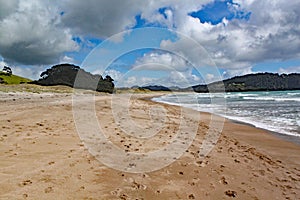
[43,157]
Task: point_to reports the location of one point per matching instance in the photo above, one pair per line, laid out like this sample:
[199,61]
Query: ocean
[276,111]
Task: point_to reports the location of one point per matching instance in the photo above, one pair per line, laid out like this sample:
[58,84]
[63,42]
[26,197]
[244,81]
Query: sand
[43,157]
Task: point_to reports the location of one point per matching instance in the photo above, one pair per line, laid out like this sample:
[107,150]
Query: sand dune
[42,156]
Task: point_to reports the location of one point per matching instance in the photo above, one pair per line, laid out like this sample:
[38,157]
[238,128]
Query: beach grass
[32,88]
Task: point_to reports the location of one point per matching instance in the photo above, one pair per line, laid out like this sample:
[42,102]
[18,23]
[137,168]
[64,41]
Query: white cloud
[32,72]
[161,61]
[180,79]
[108,17]
[288,70]
[130,81]
[236,72]
[40,32]
[67,59]
[116,75]
[32,34]
[210,77]
[236,45]
[7,7]
[172,78]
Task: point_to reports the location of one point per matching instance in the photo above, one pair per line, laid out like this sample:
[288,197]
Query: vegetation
[74,76]
[34,88]
[7,70]
[254,82]
[155,88]
[9,78]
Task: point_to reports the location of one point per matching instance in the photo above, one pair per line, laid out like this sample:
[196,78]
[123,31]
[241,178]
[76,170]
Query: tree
[66,74]
[7,70]
[108,79]
[46,73]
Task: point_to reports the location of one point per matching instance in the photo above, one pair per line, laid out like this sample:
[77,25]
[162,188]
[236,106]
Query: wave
[259,98]
[262,125]
[235,106]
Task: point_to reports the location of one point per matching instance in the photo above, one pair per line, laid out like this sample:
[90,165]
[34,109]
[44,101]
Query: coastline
[287,137]
[43,157]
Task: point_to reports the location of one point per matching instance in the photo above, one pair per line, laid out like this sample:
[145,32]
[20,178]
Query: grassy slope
[14,79]
[34,88]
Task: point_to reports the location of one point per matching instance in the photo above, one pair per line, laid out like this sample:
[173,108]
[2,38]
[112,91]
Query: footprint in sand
[123,197]
[26,182]
[116,192]
[231,193]
[194,181]
[48,190]
[223,180]
[138,186]
[82,188]
[51,163]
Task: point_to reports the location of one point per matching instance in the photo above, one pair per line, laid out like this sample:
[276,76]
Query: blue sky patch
[215,12]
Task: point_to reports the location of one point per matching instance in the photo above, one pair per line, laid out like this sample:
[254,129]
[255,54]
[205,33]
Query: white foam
[271,98]
[285,125]
[262,125]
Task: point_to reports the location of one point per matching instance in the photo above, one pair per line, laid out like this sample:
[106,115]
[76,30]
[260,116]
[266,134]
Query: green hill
[254,82]
[12,79]
[66,74]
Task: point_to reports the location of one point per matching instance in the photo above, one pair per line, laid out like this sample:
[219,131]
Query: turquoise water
[277,111]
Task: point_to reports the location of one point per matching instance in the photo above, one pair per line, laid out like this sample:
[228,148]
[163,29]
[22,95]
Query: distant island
[65,74]
[155,88]
[253,82]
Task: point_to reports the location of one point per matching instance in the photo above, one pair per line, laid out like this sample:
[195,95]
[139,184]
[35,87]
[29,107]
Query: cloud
[236,45]
[237,72]
[161,61]
[108,17]
[189,50]
[32,72]
[7,7]
[100,19]
[210,78]
[169,79]
[288,70]
[67,59]
[180,79]
[41,32]
[130,81]
[31,34]
[116,75]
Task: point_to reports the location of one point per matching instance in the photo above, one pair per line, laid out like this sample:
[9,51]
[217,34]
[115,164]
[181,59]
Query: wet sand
[42,156]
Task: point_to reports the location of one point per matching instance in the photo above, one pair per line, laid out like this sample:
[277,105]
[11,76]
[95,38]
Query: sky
[152,42]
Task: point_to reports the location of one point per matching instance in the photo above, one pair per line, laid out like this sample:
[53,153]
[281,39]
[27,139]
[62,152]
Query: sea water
[277,111]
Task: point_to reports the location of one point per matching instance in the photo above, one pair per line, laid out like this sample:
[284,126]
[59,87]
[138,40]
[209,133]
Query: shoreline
[42,155]
[282,136]
[287,137]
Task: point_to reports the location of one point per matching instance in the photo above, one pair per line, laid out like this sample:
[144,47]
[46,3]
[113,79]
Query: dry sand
[42,156]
